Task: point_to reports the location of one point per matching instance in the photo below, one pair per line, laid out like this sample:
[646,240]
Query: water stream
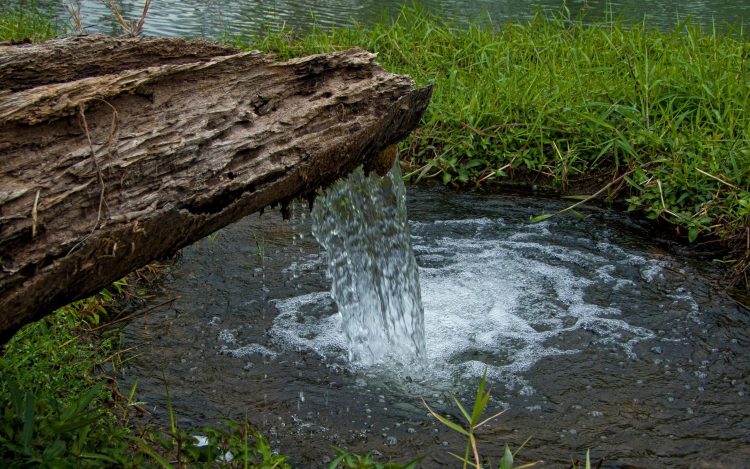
[361,223]
[594,335]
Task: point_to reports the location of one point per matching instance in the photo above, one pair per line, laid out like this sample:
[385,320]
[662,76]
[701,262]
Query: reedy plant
[474,421]
[134,27]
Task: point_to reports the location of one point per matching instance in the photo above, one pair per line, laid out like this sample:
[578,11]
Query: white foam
[320,332]
[247,351]
[683,297]
[227,335]
[496,302]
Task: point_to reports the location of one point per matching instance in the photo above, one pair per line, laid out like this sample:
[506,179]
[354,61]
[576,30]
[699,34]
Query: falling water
[361,222]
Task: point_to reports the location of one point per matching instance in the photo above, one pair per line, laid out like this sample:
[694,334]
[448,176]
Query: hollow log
[115,152]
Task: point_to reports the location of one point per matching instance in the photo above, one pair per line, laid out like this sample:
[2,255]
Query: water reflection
[217,18]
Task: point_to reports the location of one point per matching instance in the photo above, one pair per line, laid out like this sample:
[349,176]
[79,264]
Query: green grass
[661,118]
[25,21]
[58,408]
[57,411]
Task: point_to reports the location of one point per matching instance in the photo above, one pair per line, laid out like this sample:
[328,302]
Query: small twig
[564,176]
[133,28]
[117,353]
[139,28]
[75,17]
[716,178]
[118,393]
[490,418]
[134,315]
[124,24]
[661,195]
[494,172]
[600,191]
[97,168]
[475,450]
[113,126]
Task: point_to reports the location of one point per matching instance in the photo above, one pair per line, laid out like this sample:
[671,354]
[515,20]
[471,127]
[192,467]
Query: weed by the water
[56,410]
[474,420]
[346,460]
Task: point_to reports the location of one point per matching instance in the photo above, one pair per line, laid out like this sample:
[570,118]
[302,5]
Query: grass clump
[658,118]
[25,21]
[474,420]
[56,409]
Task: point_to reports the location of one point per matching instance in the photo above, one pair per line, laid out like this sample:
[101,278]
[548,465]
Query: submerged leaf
[452,425]
[542,217]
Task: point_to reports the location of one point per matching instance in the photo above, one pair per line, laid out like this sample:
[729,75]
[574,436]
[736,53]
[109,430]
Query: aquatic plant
[475,420]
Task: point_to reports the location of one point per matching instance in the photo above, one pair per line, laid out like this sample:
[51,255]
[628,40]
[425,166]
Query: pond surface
[592,333]
[215,18]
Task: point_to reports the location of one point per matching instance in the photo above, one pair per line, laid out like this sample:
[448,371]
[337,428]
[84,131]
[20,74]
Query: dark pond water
[214,18]
[593,335]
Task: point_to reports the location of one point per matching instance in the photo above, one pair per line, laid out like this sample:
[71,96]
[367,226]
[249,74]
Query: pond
[593,334]
[216,18]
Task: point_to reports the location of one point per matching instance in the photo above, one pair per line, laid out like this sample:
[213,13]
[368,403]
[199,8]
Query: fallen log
[115,152]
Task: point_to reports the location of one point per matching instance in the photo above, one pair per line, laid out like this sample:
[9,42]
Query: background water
[214,18]
[594,336]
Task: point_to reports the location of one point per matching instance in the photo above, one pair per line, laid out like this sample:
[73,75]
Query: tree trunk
[115,152]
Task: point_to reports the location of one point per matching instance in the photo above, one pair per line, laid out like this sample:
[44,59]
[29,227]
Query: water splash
[361,222]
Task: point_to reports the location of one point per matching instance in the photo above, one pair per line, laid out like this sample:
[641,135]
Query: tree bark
[115,152]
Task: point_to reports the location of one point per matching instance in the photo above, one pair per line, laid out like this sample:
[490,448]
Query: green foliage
[474,420]
[43,431]
[24,20]
[55,410]
[576,104]
[346,460]
[237,446]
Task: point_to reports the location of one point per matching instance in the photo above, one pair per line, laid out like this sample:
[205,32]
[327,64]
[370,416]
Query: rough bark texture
[115,152]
